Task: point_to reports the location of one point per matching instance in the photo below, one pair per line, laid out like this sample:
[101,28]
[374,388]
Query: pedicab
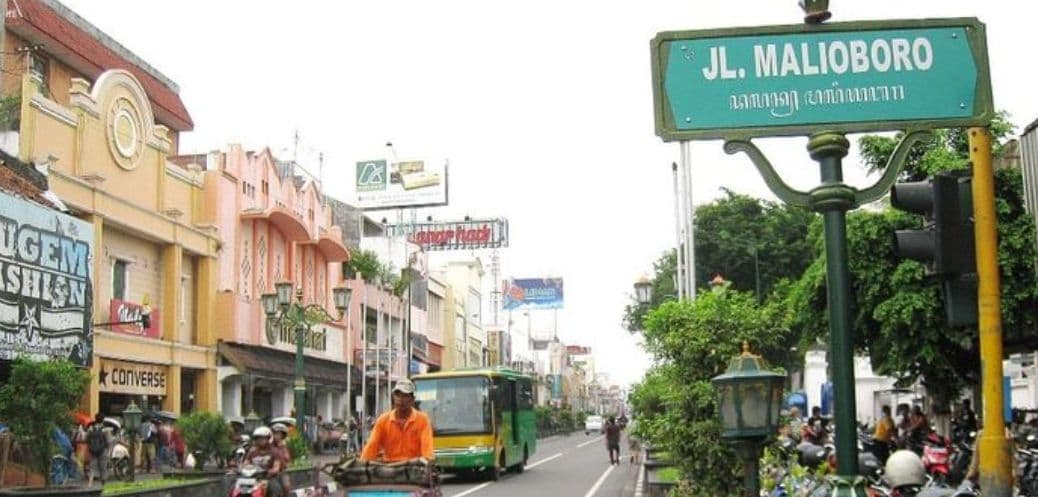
[411,478]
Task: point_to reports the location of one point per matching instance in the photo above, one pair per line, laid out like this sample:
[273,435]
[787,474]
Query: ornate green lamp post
[750,396]
[643,290]
[251,422]
[132,423]
[282,312]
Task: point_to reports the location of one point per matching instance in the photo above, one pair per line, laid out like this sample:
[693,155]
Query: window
[38,67]
[244,188]
[265,187]
[120,279]
[183,299]
[525,394]
[456,406]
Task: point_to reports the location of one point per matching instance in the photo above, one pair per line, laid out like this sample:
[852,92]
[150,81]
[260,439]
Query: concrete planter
[199,488]
[48,492]
[654,486]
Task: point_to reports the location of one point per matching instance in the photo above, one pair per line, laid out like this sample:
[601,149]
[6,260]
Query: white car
[592,423]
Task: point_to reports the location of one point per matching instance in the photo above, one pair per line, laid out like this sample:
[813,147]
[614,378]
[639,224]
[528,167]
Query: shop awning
[271,362]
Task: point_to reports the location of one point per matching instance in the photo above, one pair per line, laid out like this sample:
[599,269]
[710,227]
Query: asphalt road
[568,466]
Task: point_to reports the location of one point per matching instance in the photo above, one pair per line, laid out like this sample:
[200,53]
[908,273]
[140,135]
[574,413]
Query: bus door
[513,393]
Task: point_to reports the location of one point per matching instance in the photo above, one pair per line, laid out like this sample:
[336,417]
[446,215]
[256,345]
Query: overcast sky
[544,109]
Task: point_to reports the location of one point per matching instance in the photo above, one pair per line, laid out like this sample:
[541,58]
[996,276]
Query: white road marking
[601,479]
[542,461]
[589,442]
[474,489]
[639,486]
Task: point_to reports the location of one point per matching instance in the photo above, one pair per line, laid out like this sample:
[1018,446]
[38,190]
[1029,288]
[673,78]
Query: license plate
[246,481]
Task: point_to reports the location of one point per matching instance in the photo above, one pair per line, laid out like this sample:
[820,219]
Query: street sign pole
[833,200]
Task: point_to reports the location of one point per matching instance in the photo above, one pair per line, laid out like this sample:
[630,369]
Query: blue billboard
[533,293]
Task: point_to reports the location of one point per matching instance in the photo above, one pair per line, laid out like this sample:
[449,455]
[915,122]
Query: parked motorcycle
[936,457]
[961,457]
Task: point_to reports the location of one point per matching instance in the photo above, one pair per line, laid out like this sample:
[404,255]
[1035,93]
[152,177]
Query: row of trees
[778,304]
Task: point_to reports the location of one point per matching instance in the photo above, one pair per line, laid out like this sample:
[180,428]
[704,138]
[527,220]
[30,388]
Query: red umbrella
[82,418]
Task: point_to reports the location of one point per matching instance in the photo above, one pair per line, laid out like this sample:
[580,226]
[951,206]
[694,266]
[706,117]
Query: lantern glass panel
[270,303]
[776,401]
[729,410]
[284,290]
[754,405]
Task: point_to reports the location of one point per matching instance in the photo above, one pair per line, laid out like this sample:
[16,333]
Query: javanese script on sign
[791,79]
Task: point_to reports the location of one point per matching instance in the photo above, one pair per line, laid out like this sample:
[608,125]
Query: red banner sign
[122,311]
[578,350]
[455,235]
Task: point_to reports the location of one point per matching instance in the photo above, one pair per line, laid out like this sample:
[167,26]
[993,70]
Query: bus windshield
[457,405]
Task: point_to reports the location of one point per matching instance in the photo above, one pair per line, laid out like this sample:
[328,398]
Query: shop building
[102,122]
[274,228]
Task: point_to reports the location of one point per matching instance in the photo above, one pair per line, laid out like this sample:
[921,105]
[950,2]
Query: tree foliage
[205,433]
[740,238]
[675,404]
[39,397]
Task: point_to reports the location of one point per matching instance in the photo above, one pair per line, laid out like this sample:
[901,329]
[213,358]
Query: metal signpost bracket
[826,193]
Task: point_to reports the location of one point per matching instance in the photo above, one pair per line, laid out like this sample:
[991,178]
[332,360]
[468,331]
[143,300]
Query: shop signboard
[533,293]
[468,234]
[383,185]
[45,283]
[844,77]
[578,350]
[132,378]
[129,313]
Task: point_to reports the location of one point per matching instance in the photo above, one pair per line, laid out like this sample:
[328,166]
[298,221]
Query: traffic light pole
[994,450]
[833,199]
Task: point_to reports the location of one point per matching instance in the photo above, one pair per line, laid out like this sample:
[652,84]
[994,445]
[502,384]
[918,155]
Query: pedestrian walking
[79,440]
[98,445]
[612,434]
[148,439]
[177,442]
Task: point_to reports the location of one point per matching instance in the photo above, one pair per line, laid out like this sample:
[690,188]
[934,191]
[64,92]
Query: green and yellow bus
[483,419]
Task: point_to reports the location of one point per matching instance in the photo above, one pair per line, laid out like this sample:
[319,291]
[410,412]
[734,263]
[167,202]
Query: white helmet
[903,468]
[279,427]
[262,432]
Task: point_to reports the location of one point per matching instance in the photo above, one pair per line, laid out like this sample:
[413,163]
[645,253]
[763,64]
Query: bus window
[525,394]
[458,405]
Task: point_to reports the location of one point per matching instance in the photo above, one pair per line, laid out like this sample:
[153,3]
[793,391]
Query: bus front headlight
[477,449]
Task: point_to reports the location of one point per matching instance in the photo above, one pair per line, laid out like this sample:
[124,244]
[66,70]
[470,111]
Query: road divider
[601,479]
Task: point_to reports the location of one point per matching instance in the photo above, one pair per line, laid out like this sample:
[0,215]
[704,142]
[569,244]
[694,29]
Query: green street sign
[801,79]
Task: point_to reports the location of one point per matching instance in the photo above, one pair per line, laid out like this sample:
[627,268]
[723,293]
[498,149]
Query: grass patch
[670,475]
[125,487]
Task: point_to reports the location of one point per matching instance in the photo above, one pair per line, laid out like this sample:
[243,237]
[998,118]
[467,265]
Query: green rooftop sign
[800,79]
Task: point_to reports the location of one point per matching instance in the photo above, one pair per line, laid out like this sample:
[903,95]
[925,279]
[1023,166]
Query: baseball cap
[404,387]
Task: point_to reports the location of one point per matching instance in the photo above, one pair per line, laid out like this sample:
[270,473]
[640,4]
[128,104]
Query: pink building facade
[274,227]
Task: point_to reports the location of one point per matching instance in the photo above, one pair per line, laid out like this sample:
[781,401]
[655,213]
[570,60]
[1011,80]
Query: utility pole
[995,458]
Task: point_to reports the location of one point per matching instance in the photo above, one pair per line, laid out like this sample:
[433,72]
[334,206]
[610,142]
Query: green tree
[743,239]
[39,397]
[675,404]
[205,434]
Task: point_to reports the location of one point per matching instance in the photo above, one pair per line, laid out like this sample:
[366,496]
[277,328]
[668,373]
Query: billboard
[533,293]
[124,312]
[383,185]
[45,283]
[455,235]
[578,350]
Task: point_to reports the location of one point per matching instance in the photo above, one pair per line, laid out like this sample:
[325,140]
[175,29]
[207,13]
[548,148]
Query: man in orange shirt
[403,433]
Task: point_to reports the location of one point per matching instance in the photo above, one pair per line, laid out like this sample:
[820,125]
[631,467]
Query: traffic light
[945,243]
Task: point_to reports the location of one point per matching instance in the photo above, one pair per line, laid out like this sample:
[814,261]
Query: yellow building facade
[106,158]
